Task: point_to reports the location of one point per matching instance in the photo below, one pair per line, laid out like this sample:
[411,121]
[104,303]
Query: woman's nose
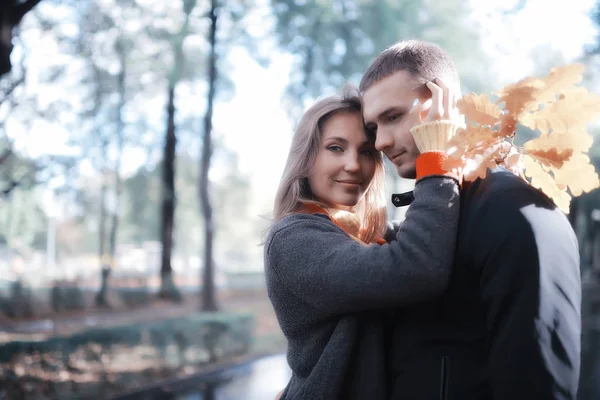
[352,164]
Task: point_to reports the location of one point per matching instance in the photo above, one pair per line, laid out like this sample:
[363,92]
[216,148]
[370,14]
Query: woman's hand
[443,102]
[436,120]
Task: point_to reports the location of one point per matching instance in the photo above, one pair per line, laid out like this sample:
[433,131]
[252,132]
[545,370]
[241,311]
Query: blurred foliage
[102,83]
[104,88]
[334,41]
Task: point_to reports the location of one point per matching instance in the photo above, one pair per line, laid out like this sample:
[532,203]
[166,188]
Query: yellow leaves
[508,125]
[544,181]
[561,158]
[551,150]
[551,158]
[475,149]
[528,93]
[578,175]
[472,136]
[519,96]
[576,142]
[557,81]
[479,163]
[571,112]
[555,161]
[513,160]
[479,109]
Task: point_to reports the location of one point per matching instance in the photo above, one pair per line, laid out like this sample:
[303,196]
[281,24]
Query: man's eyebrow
[383,114]
[391,110]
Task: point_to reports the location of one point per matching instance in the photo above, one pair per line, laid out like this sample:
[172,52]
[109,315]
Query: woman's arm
[323,266]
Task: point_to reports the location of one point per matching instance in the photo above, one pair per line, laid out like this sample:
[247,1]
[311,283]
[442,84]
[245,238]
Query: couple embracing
[475,295]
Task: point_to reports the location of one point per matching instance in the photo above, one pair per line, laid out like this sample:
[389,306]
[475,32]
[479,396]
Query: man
[509,325]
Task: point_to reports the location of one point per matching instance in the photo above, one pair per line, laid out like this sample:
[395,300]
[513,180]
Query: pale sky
[256,126]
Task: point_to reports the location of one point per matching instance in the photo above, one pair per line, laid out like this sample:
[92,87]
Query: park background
[141,144]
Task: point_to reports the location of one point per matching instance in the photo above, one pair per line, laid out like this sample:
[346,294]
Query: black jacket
[509,325]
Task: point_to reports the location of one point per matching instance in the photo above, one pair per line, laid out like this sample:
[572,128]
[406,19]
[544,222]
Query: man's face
[386,106]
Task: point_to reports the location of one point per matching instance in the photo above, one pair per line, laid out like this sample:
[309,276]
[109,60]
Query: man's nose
[383,140]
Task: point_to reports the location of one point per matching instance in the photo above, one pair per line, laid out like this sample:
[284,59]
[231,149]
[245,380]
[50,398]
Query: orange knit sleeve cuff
[432,163]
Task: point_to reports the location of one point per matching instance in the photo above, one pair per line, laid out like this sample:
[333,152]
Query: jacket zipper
[444,379]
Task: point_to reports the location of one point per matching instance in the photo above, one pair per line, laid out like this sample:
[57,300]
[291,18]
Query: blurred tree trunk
[12,164]
[209,302]
[167,285]
[105,263]
[118,182]
[11,14]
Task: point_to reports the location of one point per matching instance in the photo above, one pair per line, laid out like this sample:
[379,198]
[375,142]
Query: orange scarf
[346,221]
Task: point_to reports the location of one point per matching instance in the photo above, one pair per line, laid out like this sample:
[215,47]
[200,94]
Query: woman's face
[345,164]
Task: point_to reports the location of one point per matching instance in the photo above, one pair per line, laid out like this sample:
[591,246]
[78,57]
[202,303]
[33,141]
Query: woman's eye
[336,149]
[367,152]
[393,118]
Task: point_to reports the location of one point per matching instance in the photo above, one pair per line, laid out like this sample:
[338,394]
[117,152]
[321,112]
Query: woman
[325,259]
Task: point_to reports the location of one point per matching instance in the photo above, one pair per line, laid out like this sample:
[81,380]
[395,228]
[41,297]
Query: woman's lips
[352,184]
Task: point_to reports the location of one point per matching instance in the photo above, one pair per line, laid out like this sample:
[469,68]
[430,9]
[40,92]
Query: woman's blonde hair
[294,190]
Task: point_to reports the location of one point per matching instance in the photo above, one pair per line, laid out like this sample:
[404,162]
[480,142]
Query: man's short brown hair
[425,61]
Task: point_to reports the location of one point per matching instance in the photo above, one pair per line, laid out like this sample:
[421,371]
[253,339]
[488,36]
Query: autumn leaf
[519,96]
[468,141]
[513,161]
[559,80]
[508,125]
[551,150]
[555,162]
[544,181]
[479,109]
[562,200]
[552,157]
[570,113]
[472,136]
[479,162]
[578,174]
[560,141]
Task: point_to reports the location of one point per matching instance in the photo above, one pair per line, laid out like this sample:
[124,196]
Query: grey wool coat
[326,289]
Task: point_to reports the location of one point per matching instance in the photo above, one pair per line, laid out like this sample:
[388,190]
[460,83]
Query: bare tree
[209,302]
[120,137]
[167,287]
